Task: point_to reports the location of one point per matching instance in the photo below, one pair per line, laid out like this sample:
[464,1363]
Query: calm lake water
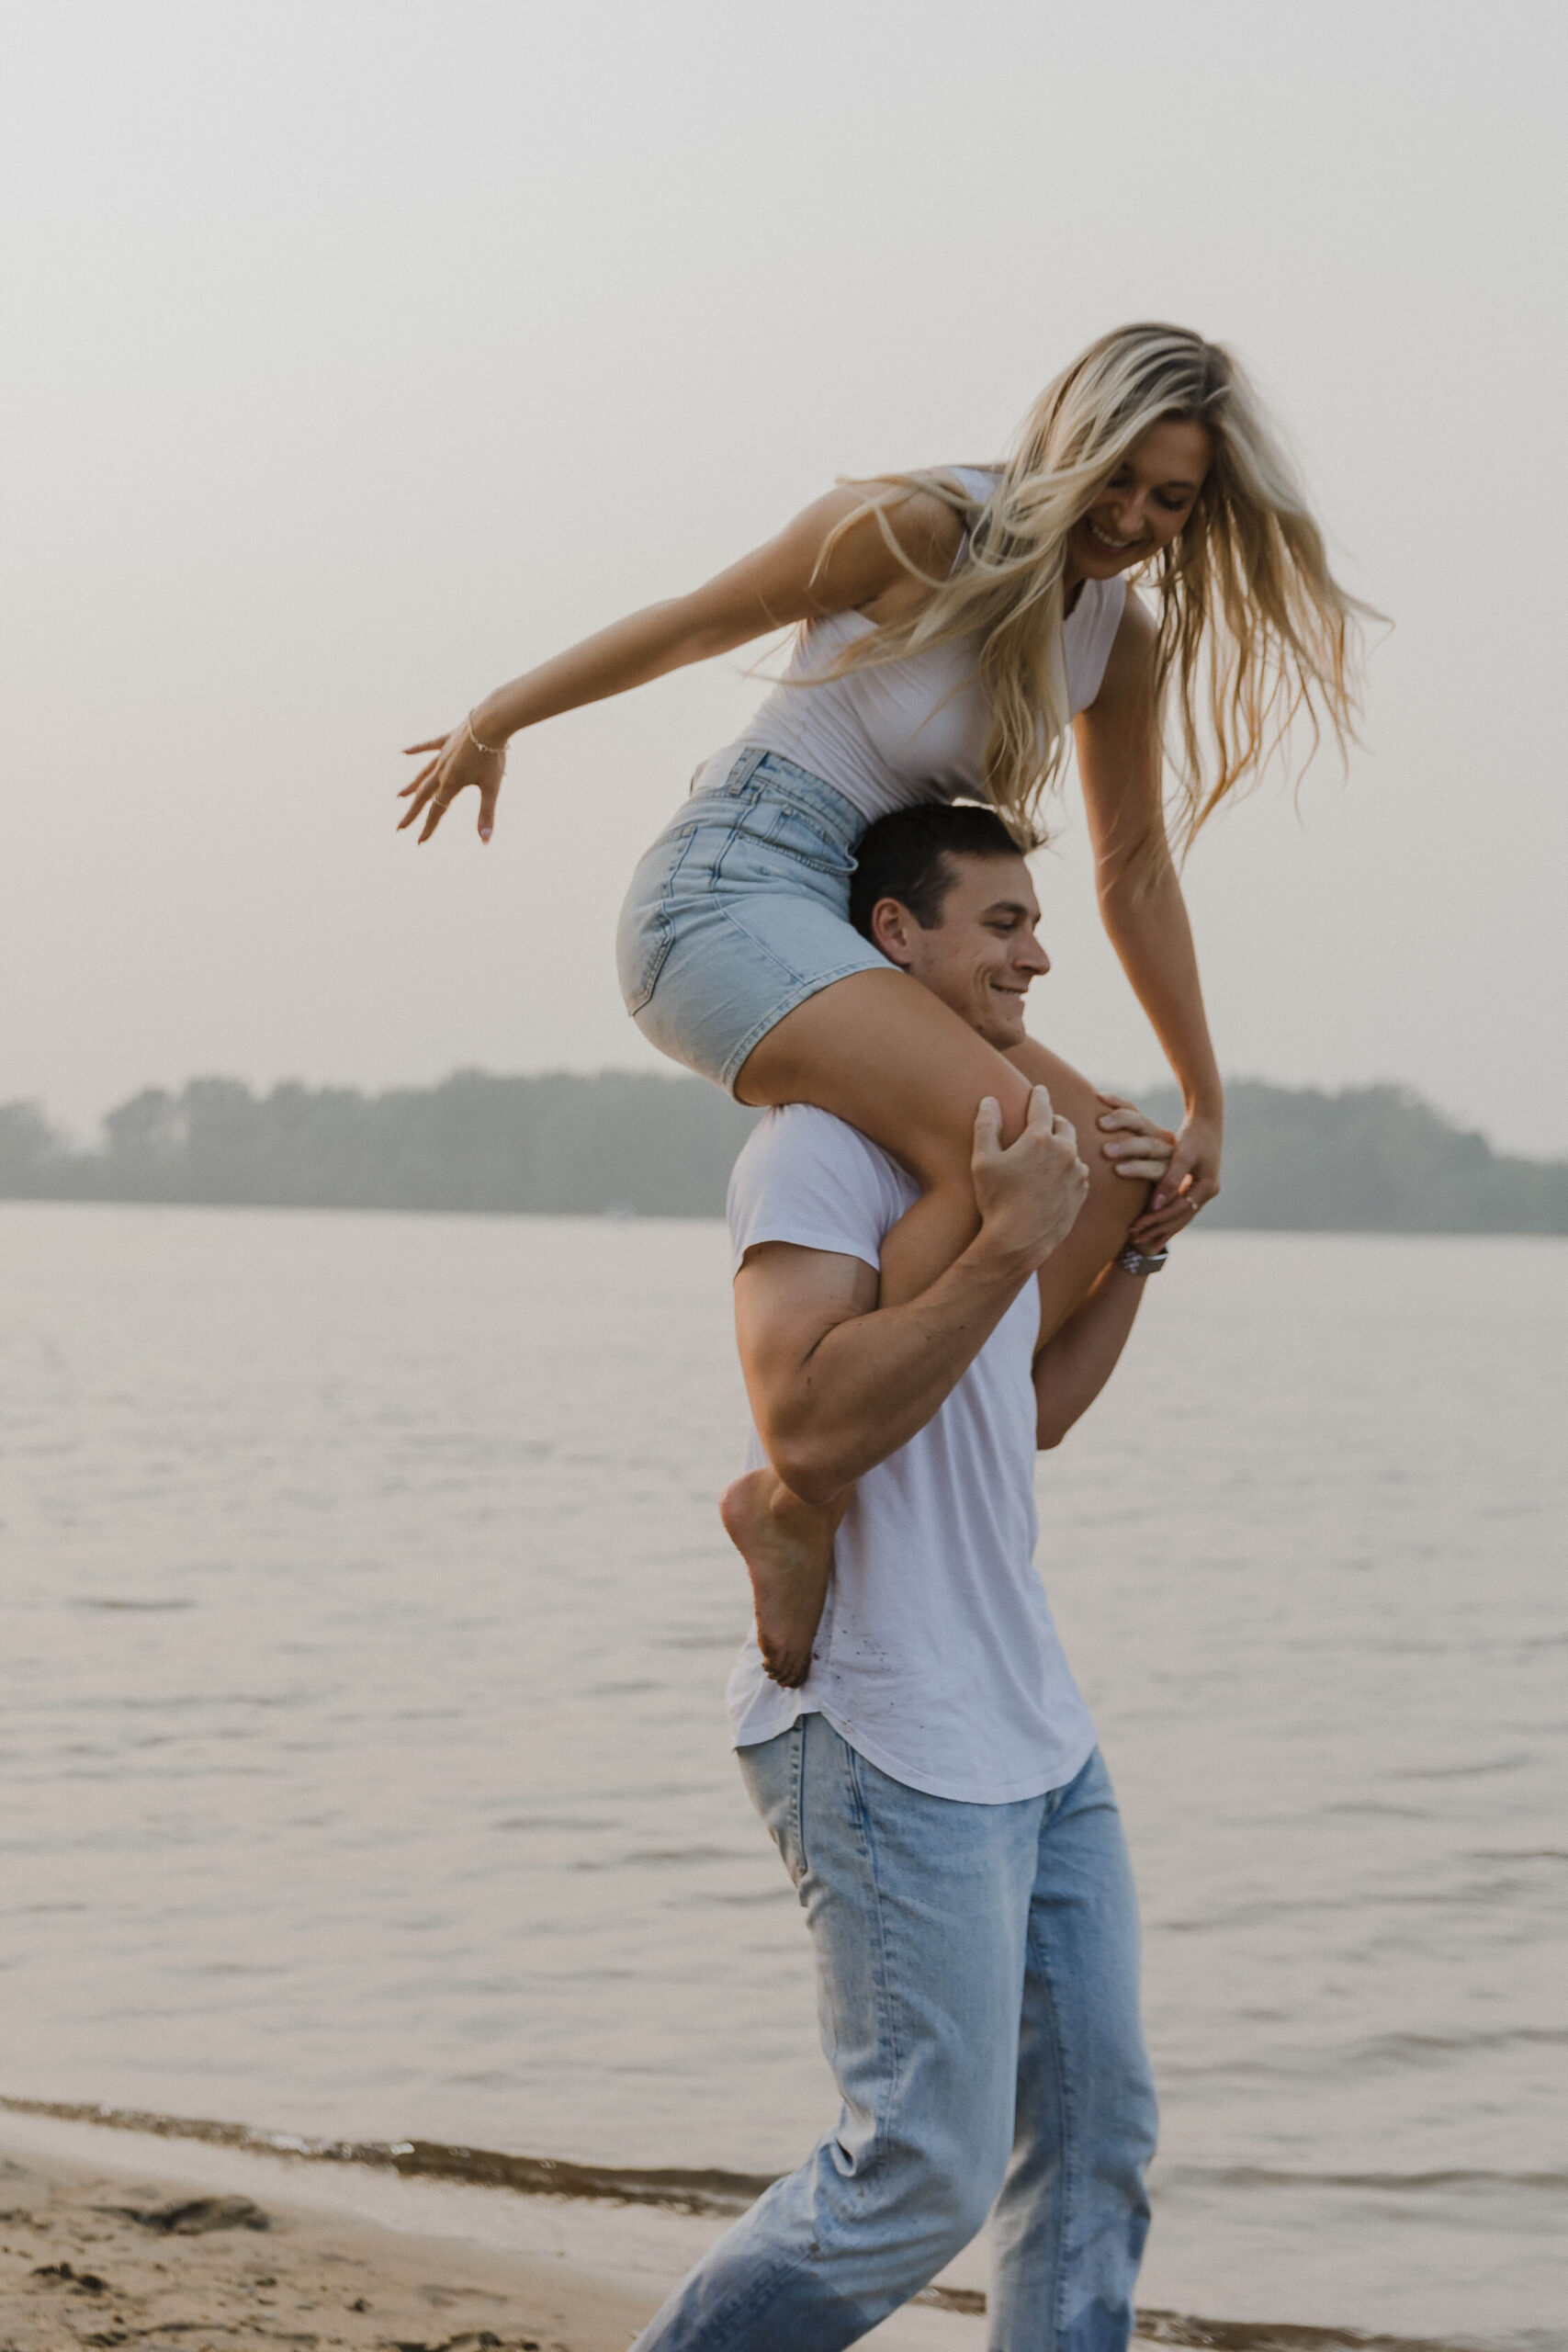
[366,1619]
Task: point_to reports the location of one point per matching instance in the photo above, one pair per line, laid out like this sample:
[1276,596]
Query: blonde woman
[957,629]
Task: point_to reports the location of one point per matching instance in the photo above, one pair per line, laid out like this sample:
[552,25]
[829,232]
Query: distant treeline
[1367,1159]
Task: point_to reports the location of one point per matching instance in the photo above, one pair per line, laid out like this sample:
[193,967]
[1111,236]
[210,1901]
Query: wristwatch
[1133,1261]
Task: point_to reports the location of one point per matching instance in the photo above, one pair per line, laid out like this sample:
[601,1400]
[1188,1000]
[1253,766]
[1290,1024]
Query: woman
[956,624]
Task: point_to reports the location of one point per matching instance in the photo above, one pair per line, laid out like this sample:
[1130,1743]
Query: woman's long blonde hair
[1253,627]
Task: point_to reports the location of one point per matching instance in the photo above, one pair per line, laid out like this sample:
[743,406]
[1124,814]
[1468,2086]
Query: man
[933,1786]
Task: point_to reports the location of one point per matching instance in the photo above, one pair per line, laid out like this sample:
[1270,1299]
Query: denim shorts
[738,912]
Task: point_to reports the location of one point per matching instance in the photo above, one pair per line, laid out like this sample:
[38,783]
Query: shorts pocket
[787,827]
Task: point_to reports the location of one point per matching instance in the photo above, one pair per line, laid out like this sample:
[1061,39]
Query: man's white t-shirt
[936,1658]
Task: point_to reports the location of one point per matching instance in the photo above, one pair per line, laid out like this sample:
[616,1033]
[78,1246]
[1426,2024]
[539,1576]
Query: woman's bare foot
[787,1547]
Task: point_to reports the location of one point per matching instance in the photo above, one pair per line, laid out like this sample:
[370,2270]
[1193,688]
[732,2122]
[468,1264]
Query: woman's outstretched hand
[1192,1181]
[459,763]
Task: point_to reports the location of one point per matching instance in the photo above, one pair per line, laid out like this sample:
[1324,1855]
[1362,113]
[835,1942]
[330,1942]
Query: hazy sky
[359,355]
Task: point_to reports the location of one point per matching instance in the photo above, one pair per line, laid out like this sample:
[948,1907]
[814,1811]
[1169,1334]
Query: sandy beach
[90,2255]
[111,2237]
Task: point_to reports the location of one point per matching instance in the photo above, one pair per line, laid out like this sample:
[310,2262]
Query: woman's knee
[937,1145]
[1114,1202]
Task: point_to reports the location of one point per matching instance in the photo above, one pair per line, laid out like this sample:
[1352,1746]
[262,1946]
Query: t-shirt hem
[760,1738]
[1004,1793]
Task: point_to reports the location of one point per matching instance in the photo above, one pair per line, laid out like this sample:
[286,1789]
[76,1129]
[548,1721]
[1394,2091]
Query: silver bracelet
[1133,1261]
[490,751]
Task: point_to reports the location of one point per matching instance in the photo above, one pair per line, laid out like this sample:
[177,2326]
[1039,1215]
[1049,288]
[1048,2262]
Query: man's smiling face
[982,955]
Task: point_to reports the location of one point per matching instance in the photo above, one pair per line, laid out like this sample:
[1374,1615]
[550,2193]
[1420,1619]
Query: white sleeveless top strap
[915,730]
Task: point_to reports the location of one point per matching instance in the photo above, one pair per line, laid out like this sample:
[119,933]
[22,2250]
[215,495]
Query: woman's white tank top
[915,730]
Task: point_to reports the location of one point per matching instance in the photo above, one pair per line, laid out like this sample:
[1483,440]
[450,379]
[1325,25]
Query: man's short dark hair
[908,855]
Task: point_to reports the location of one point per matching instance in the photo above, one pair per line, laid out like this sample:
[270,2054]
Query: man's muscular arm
[1078,1360]
[1075,1364]
[838,1383]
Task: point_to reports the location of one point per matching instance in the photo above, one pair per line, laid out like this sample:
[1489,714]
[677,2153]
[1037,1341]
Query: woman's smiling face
[1146,502]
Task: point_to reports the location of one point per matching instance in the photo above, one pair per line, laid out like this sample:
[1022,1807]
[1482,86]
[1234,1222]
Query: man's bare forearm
[1076,1363]
[871,1382]
[838,1383]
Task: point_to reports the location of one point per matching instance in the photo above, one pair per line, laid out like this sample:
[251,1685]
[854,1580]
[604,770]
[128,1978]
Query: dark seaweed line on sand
[707,2192]
[684,2193]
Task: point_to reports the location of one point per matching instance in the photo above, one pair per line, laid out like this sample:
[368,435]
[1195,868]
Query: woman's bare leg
[882,1052]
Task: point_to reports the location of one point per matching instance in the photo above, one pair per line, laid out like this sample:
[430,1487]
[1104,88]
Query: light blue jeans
[977,1995]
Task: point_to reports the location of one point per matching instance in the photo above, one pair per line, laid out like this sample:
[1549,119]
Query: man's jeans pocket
[773,1772]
